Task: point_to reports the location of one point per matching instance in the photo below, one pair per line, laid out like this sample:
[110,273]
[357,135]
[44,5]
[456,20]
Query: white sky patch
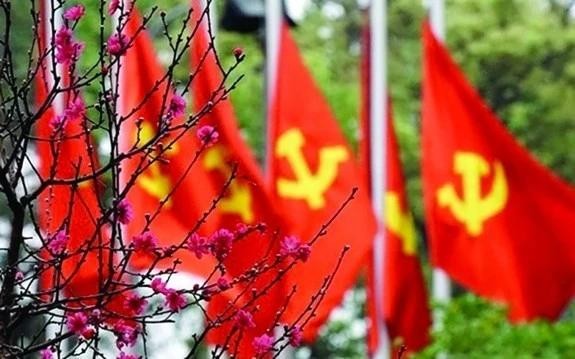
[4,232]
[296,8]
[363,3]
[325,32]
[333,10]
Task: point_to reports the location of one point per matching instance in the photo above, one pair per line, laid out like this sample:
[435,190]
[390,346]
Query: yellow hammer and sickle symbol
[308,186]
[153,181]
[473,209]
[400,223]
[239,199]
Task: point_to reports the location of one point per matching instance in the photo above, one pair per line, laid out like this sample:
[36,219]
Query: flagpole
[437,17]
[48,11]
[441,282]
[378,158]
[272,38]
[274,14]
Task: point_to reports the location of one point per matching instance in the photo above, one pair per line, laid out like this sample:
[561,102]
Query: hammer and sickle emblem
[307,185]
[400,223]
[153,181]
[472,209]
[238,200]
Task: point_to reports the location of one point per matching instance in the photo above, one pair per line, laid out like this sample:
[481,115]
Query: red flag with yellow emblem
[499,222]
[312,172]
[252,203]
[161,188]
[177,190]
[405,301]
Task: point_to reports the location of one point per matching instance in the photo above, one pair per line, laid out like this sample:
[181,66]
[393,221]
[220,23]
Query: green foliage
[344,337]
[519,54]
[473,328]
[248,98]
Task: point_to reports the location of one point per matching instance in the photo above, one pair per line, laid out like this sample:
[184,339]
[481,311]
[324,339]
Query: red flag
[406,310]
[499,222]
[191,184]
[67,153]
[163,189]
[208,86]
[313,172]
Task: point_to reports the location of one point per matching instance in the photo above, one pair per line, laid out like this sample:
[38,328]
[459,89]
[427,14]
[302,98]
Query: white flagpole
[274,14]
[49,12]
[441,282]
[437,17]
[378,158]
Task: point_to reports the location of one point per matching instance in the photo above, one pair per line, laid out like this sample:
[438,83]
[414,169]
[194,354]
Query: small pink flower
[223,284]
[117,44]
[77,323]
[46,353]
[124,212]
[135,304]
[58,122]
[76,109]
[113,6]
[199,245]
[295,336]
[175,300]
[58,242]
[208,135]
[145,242]
[221,243]
[75,12]
[67,49]
[291,246]
[244,319]
[125,335]
[158,285]
[177,106]
[263,344]
[19,276]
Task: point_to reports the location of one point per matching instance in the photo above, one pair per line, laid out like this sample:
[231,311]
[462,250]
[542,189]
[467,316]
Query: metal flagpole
[437,17]
[274,14]
[441,282]
[378,157]
[272,37]
[51,15]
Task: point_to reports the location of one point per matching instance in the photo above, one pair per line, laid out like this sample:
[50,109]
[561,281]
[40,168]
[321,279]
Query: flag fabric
[143,103]
[312,172]
[66,152]
[179,189]
[248,198]
[499,223]
[405,301]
